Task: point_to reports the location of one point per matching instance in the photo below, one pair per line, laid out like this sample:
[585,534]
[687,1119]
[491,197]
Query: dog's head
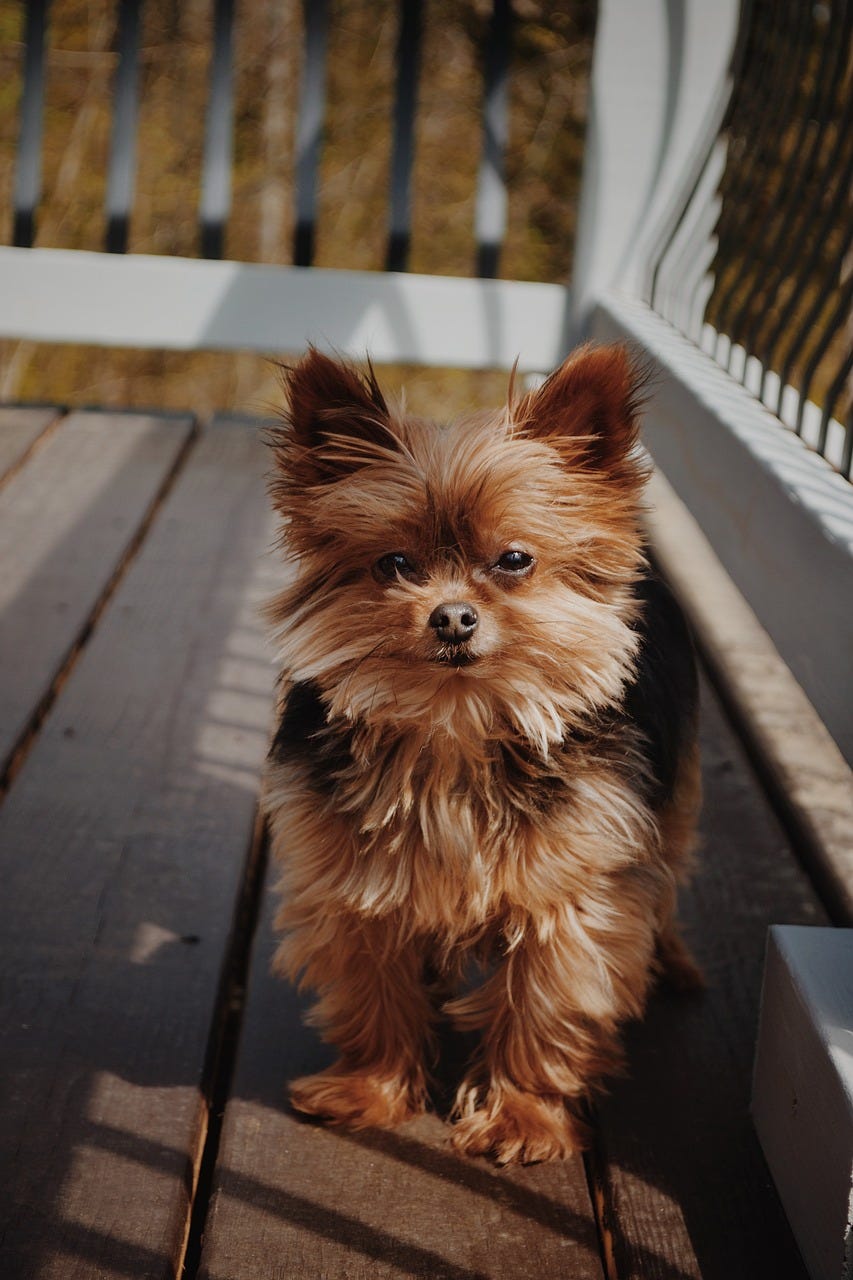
[476,576]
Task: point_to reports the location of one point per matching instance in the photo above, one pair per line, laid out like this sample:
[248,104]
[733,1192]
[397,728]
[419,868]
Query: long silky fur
[500,808]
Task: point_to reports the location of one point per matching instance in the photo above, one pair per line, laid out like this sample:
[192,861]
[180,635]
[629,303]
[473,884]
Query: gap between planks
[595,1167]
[221,1058]
[22,746]
[596,1163]
[225,1027]
[28,438]
[225,914]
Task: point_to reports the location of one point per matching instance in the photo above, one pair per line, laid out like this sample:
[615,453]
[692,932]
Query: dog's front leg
[549,1018]
[374,1008]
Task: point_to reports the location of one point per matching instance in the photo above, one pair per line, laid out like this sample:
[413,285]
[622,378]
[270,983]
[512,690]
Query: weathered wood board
[294,1199]
[66,520]
[20,428]
[123,844]
[123,841]
[686,1189]
[683,1185]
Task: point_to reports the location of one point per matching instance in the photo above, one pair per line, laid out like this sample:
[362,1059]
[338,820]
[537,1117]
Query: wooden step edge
[807,778]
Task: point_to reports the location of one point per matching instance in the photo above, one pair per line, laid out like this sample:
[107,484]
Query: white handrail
[660,84]
[139,300]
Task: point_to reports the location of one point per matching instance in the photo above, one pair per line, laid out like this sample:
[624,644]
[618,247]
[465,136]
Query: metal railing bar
[793,179]
[782,235]
[746,148]
[122,162]
[215,204]
[309,129]
[735,228]
[808,263]
[748,100]
[491,208]
[811,180]
[27,193]
[833,322]
[830,400]
[403,145]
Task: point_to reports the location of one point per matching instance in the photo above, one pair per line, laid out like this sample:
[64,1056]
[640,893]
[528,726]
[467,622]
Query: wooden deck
[143,1122]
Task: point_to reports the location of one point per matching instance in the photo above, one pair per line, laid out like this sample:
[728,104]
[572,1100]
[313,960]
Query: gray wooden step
[67,519]
[123,846]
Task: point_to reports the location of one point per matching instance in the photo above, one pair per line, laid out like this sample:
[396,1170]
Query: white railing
[662,81]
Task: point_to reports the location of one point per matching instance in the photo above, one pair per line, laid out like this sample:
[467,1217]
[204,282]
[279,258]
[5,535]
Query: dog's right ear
[335,420]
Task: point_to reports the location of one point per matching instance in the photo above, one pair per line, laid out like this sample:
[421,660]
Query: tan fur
[476,808]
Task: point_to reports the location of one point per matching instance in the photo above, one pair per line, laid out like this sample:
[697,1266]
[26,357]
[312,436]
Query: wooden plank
[685,1189]
[122,848]
[802,1097]
[19,429]
[66,520]
[295,1199]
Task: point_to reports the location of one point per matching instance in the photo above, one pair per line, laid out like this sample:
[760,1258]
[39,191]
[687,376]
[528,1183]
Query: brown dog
[486,745]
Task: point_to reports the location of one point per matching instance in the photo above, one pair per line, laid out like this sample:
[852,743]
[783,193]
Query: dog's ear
[589,408]
[335,420]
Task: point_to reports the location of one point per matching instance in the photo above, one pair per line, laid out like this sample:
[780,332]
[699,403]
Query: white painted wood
[778,516]
[660,84]
[684,272]
[793,743]
[55,295]
[803,1089]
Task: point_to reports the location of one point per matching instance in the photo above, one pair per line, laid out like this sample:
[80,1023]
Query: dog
[486,747]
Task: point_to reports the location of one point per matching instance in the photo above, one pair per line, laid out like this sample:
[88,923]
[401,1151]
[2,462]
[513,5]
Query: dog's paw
[357,1099]
[516,1127]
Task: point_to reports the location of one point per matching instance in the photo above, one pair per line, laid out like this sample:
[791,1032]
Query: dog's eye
[393,564]
[514,561]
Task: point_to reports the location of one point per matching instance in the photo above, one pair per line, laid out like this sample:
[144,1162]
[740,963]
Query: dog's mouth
[456,655]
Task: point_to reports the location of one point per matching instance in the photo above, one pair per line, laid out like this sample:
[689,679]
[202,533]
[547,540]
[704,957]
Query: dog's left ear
[335,419]
[589,408]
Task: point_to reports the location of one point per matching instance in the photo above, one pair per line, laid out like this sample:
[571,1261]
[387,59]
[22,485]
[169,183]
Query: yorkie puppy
[487,746]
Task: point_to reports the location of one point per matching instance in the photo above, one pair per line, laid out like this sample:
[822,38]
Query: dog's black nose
[454,622]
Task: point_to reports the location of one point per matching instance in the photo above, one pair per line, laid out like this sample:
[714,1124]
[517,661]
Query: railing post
[28,169]
[309,129]
[660,83]
[122,166]
[215,201]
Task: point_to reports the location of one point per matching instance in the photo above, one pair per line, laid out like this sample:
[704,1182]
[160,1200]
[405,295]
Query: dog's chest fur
[455,834]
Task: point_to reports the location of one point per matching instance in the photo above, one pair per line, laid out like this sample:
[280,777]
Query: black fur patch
[528,782]
[305,737]
[663,699]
